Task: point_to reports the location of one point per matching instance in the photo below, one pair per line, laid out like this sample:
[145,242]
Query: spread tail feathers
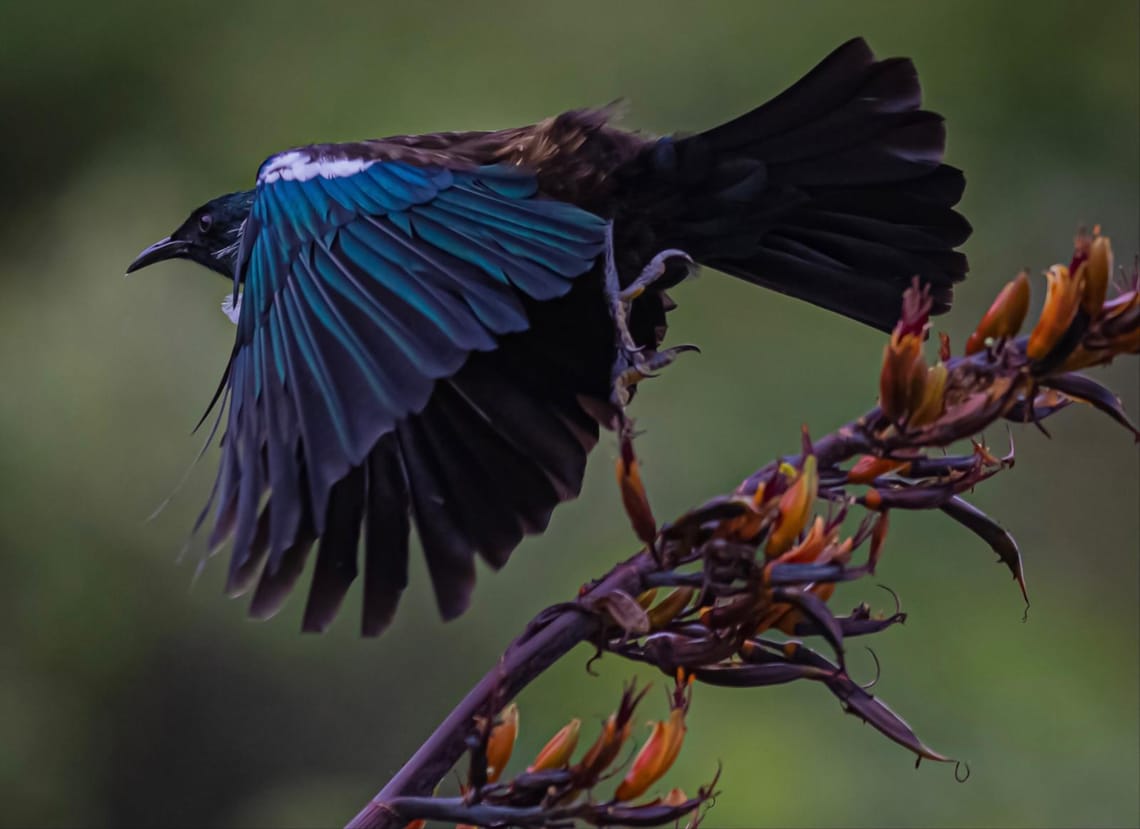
[833,192]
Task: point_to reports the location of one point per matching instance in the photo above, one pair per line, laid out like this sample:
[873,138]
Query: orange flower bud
[502,742]
[869,467]
[1097,273]
[902,375]
[556,753]
[808,551]
[605,749]
[669,607]
[795,509]
[418,823]
[1005,316]
[1061,304]
[675,797]
[930,405]
[633,494]
[655,757]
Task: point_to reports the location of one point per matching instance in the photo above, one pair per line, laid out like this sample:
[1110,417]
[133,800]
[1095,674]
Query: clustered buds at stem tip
[910,393]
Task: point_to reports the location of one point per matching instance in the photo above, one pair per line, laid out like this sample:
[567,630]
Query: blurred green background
[132,695]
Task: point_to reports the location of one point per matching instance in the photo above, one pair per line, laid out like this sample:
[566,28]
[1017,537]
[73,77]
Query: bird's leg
[652,272]
[634,363]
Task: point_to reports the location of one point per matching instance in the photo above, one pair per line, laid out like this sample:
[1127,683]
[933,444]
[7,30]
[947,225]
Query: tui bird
[431,328]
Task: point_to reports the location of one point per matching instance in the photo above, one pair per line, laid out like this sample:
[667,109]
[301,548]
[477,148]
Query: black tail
[833,192]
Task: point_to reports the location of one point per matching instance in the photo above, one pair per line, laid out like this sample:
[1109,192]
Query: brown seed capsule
[1005,316]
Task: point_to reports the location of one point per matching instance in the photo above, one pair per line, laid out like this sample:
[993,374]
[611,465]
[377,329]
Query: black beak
[160,251]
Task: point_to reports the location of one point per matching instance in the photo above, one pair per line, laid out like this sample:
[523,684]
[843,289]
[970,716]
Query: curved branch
[1001,381]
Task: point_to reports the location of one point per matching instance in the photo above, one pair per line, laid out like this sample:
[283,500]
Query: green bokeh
[131,694]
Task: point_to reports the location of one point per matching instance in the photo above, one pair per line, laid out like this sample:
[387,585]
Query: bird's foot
[634,363]
[642,364]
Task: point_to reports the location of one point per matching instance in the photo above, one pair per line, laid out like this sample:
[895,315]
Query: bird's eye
[205,221]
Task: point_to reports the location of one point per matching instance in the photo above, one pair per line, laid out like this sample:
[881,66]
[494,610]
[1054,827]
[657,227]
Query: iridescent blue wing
[366,282]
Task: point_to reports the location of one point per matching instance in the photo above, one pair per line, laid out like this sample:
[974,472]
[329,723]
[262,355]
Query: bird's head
[210,236]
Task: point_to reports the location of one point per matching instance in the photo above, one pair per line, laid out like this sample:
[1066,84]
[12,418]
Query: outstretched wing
[367,279]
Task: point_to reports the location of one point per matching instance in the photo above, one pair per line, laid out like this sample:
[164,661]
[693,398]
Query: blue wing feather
[361,291]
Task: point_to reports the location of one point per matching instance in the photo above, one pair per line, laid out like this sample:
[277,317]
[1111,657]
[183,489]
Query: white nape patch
[298,165]
[232,308]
